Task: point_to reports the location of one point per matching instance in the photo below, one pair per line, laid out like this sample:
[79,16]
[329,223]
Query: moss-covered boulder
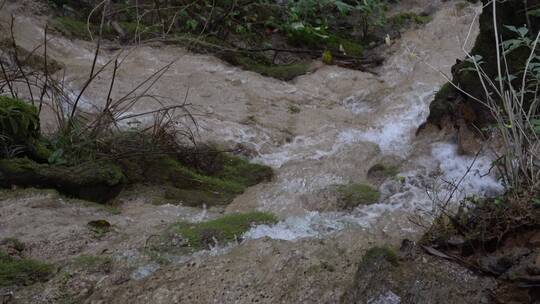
[97,181]
[222,230]
[216,184]
[448,101]
[353,195]
[411,276]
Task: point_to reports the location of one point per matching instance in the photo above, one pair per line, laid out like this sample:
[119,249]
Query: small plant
[19,121]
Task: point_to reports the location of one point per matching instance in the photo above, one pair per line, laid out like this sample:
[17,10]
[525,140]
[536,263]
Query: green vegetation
[223,230]
[93,262]
[194,187]
[22,271]
[340,27]
[383,170]
[377,254]
[19,121]
[72,27]
[353,195]
[401,20]
[94,181]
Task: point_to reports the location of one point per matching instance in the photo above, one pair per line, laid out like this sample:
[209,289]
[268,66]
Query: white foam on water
[388,297]
[394,130]
[301,148]
[472,174]
[320,224]
[357,104]
[407,194]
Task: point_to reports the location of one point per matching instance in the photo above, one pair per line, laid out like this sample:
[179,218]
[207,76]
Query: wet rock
[495,265]
[417,278]
[100,226]
[526,267]
[468,143]
[535,240]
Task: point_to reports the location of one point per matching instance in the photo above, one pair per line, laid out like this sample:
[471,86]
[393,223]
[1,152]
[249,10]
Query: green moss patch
[353,195]
[93,262]
[380,170]
[71,27]
[223,230]
[283,72]
[21,271]
[193,187]
[377,254]
[94,181]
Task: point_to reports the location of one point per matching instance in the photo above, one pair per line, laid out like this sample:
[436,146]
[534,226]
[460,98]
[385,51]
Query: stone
[468,143]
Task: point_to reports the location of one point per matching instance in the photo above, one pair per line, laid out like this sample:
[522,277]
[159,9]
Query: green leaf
[523,31]
[535,12]
[343,7]
[56,157]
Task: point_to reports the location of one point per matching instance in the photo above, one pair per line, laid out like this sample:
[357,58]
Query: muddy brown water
[348,121]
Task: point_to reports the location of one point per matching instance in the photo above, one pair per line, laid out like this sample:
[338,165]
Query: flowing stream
[348,121]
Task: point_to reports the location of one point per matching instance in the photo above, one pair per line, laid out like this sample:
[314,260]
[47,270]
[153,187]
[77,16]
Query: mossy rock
[380,172]
[194,187]
[378,255]
[444,104]
[353,195]
[463,73]
[22,272]
[223,230]
[283,72]
[100,227]
[97,181]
